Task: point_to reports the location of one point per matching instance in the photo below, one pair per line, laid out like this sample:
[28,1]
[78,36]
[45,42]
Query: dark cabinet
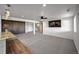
[15,27]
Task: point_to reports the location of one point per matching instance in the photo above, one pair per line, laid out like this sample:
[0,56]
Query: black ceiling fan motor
[42,17]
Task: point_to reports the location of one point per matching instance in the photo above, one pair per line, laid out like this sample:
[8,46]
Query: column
[34,28]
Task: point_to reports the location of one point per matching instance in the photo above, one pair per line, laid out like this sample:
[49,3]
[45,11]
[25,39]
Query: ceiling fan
[43,17]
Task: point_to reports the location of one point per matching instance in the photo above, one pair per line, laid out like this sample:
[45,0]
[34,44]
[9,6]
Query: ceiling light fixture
[22,16]
[7,12]
[6,17]
[44,5]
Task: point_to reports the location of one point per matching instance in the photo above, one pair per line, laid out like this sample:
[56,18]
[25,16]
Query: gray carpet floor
[45,44]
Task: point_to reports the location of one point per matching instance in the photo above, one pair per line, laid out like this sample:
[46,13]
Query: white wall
[28,27]
[65,31]
[0,23]
[76,34]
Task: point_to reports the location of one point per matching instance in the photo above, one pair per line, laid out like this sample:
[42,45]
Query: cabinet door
[10,26]
[21,27]
[15,27]
[4,25]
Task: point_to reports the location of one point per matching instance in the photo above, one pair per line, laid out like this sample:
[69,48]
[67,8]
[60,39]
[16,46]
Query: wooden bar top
[14,46]
[6,35]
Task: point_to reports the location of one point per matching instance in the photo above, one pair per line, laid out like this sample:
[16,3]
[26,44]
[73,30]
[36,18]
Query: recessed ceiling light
[44,5]
[22,16]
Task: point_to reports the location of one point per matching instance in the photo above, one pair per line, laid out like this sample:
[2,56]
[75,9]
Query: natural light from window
[75,27]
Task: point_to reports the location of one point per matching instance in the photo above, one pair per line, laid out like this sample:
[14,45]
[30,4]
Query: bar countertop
[6,35]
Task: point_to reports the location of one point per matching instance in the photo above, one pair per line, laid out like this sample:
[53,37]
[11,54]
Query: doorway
[39,27]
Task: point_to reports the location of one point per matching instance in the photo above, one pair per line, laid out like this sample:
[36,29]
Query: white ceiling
[34,11]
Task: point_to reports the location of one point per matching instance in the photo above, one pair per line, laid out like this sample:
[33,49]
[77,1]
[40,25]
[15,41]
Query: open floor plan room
[39,28]
[45,44]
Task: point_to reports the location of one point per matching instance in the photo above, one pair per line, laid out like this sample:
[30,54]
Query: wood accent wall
[16,27]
